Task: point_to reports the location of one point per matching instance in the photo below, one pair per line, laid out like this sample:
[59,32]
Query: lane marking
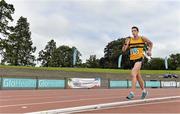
[55,96]
[53,93]
[51,102]
[24,107]
[73,100]
[99,106]
[134,105]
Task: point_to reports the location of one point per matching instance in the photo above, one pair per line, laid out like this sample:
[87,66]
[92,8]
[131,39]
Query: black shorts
[132,62]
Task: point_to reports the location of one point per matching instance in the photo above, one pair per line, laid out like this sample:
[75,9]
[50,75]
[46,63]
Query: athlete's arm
[126,45]
[149,44]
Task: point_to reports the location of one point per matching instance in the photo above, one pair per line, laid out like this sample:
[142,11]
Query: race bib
[134,51]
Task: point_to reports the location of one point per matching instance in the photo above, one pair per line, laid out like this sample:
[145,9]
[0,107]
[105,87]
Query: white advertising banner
[168,84]
[84,82]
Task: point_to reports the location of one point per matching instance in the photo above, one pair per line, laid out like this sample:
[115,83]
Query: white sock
[132,92]
[144,90]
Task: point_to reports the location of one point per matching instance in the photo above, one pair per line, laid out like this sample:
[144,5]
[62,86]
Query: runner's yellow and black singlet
[136,48]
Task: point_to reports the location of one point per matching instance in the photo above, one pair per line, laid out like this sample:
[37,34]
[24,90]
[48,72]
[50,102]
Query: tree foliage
[18,47]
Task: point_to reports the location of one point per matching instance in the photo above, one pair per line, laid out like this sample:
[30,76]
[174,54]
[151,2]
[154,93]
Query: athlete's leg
[141,83]
[134,74]
[140,80]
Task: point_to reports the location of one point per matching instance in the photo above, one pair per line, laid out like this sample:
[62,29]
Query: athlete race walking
[136,45]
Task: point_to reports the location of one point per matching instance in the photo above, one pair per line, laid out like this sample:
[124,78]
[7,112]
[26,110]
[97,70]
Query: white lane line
[134,105]
[99,106]
[34,92]
[43,94]
[59,101]
[24,107]
[160,102]
[55,96]
[62,100]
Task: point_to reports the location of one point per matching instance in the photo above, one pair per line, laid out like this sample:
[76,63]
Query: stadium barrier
[64,83]
[148,84]
[31,83]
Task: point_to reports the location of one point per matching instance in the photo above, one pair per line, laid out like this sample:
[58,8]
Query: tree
[46,55]
[112,52]
[92,62]
[125,60]
[145,64]
[18,48]
[62,56]
[6,11]
[174,61]
[157,64]
[102,62]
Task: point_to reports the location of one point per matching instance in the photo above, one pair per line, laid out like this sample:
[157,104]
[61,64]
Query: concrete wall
[58,74]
